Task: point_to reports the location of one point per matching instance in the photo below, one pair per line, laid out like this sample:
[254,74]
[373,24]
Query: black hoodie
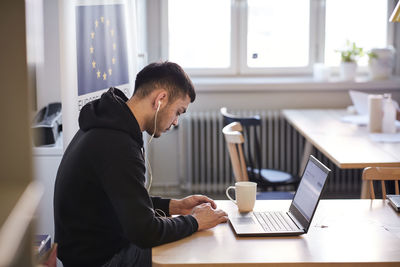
[100,200]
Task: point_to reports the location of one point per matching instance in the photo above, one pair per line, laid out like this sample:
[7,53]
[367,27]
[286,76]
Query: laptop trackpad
[246,224]
[243,220]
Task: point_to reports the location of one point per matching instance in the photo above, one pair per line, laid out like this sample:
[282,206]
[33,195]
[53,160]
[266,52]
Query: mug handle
[227,193]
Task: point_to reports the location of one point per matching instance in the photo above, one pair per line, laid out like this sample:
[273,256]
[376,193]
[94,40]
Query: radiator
[205,166]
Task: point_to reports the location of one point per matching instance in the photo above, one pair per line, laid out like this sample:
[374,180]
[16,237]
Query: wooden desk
[345,144]
[343,233]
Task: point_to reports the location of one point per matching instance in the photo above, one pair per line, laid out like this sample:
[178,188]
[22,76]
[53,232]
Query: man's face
[168,115]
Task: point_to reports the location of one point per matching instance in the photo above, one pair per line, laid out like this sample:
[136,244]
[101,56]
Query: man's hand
[185,205]
[207,217]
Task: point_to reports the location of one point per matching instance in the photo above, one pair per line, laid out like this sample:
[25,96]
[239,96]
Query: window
[281,37]
[361,21]
[199,33]
[271,39]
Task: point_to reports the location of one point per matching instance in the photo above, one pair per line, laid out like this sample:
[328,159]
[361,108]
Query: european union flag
[101,47]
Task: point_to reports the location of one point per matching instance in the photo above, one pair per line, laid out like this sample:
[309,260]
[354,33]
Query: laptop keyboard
[275,221]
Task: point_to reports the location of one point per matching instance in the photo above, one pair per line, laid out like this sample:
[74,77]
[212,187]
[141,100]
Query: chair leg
[383,190]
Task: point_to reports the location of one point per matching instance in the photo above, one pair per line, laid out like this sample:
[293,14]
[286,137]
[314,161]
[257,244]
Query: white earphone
[155,121]
[159,104]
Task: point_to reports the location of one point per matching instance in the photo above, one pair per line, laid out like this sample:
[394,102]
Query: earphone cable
[148,143]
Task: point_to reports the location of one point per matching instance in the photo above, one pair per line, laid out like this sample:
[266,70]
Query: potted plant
[349,56]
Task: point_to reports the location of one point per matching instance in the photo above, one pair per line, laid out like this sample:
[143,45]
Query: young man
[103,213]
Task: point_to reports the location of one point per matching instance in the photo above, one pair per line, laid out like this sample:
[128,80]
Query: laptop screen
[310,188]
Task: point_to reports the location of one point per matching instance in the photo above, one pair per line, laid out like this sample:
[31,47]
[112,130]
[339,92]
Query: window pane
[361,21]
[199,33]
[278,33]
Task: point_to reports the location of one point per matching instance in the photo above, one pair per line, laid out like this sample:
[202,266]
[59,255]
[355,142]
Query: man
[102,211]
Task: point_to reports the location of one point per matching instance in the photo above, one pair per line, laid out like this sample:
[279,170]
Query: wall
[48,84]
[15,162]
[16,52]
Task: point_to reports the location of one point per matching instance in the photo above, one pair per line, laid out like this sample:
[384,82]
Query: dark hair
[167,75]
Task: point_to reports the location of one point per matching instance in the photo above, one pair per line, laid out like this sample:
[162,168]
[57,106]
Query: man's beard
[156,131]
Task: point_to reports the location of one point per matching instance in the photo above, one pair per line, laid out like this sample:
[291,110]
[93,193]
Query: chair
[382,174]
[235,140]
[265,178]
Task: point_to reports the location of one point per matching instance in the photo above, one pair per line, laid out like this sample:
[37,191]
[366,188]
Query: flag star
[96,23]
[104,76]
[113,60]
[112,32]
[114,46]
[102,19]
[98,73]
[91,49]
[94,64]
[108,22]
[109,72]
[92,35]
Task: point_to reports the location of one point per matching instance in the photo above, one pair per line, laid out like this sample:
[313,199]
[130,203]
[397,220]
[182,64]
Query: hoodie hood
[110,112]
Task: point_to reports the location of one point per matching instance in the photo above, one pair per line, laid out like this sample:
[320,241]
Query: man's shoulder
[111,140]
[105,134]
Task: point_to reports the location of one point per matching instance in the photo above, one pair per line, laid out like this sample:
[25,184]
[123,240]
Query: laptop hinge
[296,222]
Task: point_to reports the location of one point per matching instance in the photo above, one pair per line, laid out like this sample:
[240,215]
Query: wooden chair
[265,178]
[235,140]
[382,174]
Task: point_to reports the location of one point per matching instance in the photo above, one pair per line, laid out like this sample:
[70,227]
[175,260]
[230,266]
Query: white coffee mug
[245,193]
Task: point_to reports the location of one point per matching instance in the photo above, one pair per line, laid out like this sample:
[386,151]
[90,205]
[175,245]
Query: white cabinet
[46,161]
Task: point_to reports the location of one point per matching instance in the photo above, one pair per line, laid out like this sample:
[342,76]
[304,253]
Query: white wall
[48,86]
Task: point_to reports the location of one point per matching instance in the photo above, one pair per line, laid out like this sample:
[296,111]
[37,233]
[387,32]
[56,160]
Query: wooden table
[347,145]
[342,233]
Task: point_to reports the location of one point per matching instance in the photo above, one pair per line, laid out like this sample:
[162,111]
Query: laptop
[297,219]
[394,200]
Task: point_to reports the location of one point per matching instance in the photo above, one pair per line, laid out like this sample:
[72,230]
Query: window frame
[238,44]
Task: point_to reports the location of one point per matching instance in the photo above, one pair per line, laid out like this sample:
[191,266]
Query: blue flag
[101,47]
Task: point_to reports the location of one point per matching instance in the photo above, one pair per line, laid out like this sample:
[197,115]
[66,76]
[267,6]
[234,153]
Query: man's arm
[124,183]
[202,208]
[162,204]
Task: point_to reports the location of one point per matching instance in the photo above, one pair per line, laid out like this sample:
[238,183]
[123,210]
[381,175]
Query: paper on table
[355,119]
[360,102]
[386,138]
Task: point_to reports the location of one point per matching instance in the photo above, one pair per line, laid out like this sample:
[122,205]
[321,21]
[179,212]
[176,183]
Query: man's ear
[161,99]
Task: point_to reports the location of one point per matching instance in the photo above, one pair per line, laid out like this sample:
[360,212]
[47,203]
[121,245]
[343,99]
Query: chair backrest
[382,174]
[251,126]
[234,140]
